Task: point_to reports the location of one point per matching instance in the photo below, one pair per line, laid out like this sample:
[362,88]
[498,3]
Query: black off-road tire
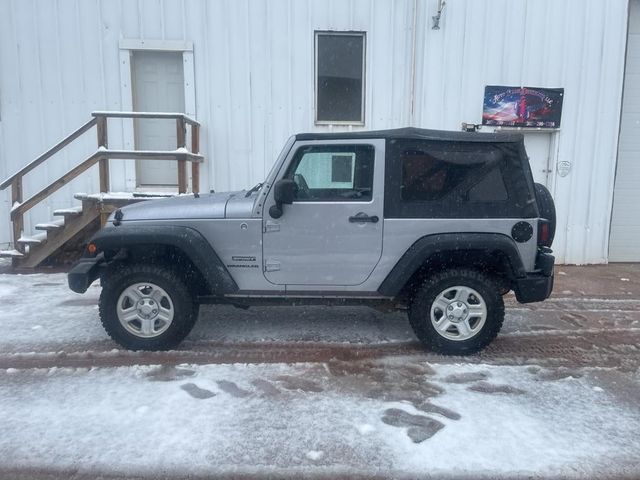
[118,278]
[428,291]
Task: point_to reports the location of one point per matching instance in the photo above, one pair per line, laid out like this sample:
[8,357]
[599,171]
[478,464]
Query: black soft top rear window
[452,179]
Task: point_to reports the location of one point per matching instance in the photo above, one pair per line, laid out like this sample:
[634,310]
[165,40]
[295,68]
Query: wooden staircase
[50,238]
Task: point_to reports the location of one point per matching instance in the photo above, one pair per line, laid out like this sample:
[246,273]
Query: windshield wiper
[255,188]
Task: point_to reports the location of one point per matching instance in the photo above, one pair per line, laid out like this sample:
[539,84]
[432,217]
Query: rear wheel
[146,307]
[457,311]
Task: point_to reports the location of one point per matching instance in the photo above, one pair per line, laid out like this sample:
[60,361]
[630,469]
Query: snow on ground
[392,416]
[39,313]
[314,418]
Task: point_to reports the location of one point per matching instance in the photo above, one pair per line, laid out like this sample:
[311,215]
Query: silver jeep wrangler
[442,224]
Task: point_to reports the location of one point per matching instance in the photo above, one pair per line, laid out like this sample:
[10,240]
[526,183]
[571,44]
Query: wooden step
[72,226]
[51,226]
[38,239]
[11,254]
[68,212]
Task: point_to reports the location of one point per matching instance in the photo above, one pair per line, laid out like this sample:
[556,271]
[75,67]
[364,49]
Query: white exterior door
[158,86]
[624,245]
[538,147]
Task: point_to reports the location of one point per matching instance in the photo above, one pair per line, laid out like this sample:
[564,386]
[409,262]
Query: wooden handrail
[195,166]
[152,154]
[157,115]
[102,157]
[19,210]
[56,148]
[103,164]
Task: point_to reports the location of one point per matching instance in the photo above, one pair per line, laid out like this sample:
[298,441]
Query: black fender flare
[188,240]
[428,246]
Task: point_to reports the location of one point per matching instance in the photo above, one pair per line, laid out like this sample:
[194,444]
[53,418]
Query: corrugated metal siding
[625,222]
[254,81]
[578,45]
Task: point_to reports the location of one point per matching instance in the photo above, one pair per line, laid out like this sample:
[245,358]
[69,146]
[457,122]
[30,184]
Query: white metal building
[252,73]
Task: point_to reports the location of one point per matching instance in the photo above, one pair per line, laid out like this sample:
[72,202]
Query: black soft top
[416,133]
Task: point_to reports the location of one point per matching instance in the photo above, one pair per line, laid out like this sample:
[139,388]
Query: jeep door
[332,232]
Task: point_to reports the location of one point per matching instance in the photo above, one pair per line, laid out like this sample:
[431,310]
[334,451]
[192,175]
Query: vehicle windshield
[276,165]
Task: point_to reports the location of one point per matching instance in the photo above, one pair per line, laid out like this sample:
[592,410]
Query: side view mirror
[284,192]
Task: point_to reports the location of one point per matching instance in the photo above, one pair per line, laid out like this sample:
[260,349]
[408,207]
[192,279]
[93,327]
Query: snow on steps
[10,254]
[67,212]
[75,219]
[37,239]
[50,226]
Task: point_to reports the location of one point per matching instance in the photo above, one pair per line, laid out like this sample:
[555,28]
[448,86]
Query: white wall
[625,221]
[59,60]
[578,45]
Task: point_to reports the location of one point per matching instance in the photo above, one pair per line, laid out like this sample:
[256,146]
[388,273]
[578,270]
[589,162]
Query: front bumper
[84,272]
[536,286]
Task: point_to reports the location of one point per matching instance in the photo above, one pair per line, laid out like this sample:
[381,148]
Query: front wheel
[457,311]
[146,307]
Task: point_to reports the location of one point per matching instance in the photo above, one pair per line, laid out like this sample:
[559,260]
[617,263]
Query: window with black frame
[333,173]
[470,173]
[340,77]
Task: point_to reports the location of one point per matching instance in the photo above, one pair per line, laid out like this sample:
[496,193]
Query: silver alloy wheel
[458,313]
[145,310]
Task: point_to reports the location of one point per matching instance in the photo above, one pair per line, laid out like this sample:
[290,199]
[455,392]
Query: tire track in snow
[575,348]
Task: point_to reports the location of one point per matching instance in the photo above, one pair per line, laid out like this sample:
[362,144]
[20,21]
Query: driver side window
[333,173]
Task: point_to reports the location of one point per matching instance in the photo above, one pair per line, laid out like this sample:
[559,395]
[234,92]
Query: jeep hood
[205,206]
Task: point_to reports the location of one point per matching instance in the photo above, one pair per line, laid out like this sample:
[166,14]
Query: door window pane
[339,70]
[333,173]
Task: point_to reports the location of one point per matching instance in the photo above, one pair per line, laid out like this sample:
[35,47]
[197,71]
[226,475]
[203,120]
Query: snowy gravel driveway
[316,392]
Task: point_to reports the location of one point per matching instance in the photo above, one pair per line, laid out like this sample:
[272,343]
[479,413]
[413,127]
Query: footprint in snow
[429,407]
[266,387]
[232,389]
[197,392]
[168,373]
[494,388]
[419,427]
[291,382]
[558,374]
[466,377]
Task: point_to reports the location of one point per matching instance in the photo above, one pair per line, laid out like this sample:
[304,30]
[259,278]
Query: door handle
[362,217]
